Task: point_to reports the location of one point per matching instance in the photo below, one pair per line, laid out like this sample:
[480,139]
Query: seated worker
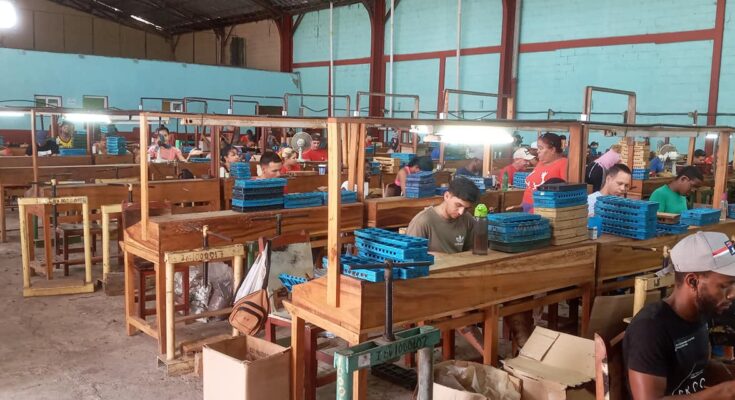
[290,160]
[423,163]
[666,348]
[701,161]
[672,197]
[163,151]
[617,183]
[230,154]
[655,163]
[473,168]
[596,170]
[65,140]
[270,165]
[316,153]
[449,225]
[521,160]
[45,146]
[551,164]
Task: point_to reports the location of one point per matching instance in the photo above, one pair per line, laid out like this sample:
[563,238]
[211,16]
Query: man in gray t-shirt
[448,226]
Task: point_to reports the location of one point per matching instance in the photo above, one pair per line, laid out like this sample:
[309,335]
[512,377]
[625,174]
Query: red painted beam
[505,77]
[377,51]
[285,32]
[430,55]
[349,61]
[657,38]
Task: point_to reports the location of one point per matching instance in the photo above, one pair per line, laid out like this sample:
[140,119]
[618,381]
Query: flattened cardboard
[446,387]
[246,368]
[608,313]
[551,364]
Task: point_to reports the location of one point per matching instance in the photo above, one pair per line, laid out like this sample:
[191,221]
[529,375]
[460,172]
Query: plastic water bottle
[723,210]
[479,245]
[505,181]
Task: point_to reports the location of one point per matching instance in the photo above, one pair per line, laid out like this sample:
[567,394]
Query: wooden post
[105,243]
[723,152]
[34,150]
[87,243]
[490,337]
[170,311]
[360,156]
[577,145]
[3,225]
[237,271]
[639,294]
[297,356]
[690,150]
[89,138]
[214,150]
[333,204]
[442,150]
[487,160]
[144,134]
[24,249]
[352,158]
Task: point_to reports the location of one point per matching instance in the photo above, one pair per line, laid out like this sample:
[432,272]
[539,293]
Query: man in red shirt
[315,153]
[521,160]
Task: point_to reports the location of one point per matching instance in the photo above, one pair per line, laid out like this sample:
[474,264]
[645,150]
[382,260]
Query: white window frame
[46,98]
[92,96]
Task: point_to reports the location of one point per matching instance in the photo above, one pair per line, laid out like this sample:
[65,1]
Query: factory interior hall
[367,199]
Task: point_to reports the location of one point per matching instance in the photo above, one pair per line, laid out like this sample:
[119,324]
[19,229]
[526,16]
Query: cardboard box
[246,368]
[464,380]
[554,366]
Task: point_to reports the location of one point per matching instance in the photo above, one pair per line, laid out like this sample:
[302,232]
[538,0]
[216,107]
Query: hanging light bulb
[8,14]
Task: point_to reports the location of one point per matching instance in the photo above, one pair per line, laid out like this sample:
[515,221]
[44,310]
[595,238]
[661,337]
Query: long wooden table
[181,232]
[619,257]
[457,285]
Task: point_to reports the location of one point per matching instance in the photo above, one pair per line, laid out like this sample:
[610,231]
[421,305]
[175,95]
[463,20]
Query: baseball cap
[703,252]
[523,153]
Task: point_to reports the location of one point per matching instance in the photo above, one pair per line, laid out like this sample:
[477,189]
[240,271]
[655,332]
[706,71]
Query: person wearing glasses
[551,164]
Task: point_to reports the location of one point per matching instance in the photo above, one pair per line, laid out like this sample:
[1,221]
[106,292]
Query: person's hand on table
[195,152]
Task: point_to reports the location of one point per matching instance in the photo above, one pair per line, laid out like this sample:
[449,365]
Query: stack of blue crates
[441,190]
[116,145]
[187,149]
[302,200]
[514,232]
[200,160]
[289,281]
[731,211]
[420,184]
[374,168]
[477,180]
[258,194]
[404,157]
[700,216]
[635,219]
[72,152]
[671,229]
[240,170]
[378,245]
[519,179]
[347,197]
[641,174]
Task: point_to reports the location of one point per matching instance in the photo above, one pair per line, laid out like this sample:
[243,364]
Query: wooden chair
[609,369]
[646,283]
[143,268]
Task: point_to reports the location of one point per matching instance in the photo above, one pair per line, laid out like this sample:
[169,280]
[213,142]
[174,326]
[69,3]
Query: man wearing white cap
[521,159]
[666,347]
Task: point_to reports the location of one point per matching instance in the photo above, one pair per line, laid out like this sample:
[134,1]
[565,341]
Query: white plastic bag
[255,277]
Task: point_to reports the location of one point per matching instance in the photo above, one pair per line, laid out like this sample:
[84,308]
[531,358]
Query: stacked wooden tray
[388,165]
[641,150]
[568,224]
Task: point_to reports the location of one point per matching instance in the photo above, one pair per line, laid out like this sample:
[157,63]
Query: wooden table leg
[105,245]
[48,248]
[3,225]
[31,238]
[297,357]
[310,363]
[574,312]
[490,336]
[553,316]
[359,382]
[160,305]
[448,344]
[129,291]
[586,309]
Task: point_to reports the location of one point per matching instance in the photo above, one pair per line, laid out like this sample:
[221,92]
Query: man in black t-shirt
[666,347]
[44,145]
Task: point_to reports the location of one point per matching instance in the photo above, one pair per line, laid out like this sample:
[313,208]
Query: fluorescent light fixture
[92,118]
[712,136]
[431,138]
[132,119]
[11,114]
[8,14]
[475,134]
[145,21]
[422,129]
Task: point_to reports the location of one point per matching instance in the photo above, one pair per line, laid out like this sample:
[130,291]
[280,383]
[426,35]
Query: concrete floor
[75,347]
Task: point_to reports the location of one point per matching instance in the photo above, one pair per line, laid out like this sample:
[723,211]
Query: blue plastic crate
[260,183]
[700,216]
[560,203]
[519,179]
[256,209]
[627,231]
[610,209]
[731,211]
[419,194]
[517,237]
[629,204]
[347,197]
[257,203]
[289,281]
[302,200]
[529,227]
[404,157]
[200,160]
[511,217]
[72,152]
[391,238]
[381,258]
[351,266]
[629,221]
[477,180]
[640,173]
[392,252]
[672,229]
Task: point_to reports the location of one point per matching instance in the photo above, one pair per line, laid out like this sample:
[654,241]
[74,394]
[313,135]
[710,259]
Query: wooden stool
[67,231]
[145,269]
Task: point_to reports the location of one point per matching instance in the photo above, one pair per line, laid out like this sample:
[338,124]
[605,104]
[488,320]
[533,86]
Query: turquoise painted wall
[125,81]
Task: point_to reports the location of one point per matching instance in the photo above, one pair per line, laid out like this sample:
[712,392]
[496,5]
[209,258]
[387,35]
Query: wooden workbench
[179,232]
[458,284]
[396,212]
[622,257]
